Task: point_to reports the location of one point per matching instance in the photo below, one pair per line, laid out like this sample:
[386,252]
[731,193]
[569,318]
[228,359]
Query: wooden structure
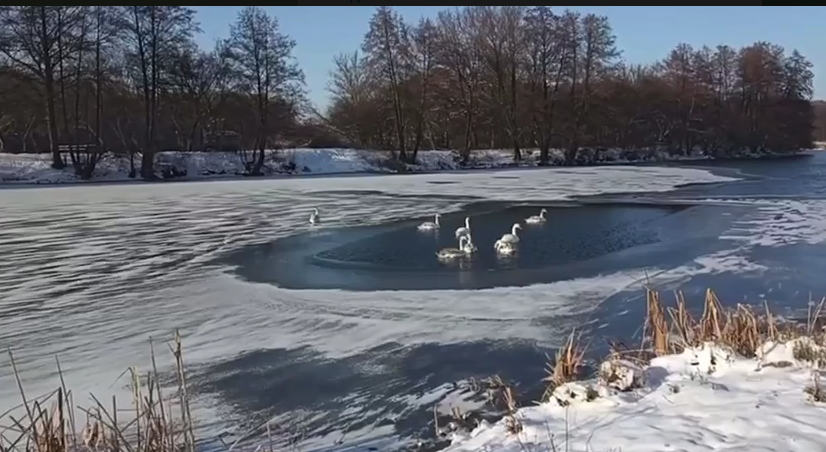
[69,148]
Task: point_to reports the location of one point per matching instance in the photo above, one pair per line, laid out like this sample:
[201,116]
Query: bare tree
[423,55]
[386,48]
[263,67]
[198,79]
[548,53]
[154,35]
[499,33]
[353,99]
[460,57]
[29,37]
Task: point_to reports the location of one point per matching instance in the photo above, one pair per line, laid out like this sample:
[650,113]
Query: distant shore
[34,170]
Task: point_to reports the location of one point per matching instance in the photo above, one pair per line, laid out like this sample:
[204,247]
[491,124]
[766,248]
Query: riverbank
[25,169]
[694,385]
[691,386]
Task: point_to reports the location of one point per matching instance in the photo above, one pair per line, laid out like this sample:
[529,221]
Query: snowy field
[89,273]
[36,168]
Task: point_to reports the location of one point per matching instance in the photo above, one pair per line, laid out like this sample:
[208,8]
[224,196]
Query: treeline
[528,77]
[131,79]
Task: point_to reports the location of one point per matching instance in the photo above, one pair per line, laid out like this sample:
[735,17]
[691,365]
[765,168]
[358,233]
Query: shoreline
[687,161]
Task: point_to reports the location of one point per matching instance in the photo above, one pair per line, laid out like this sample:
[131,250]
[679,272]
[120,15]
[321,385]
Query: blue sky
[644,33]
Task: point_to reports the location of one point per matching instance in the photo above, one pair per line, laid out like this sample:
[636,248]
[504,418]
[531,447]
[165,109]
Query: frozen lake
[351,325]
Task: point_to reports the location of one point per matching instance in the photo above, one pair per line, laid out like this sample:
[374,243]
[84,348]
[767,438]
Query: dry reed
[566,365]
[672,329]
[49,421]
[742,328]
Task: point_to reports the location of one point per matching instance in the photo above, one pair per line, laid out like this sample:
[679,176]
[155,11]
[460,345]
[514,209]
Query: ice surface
[90,272]
[689,403]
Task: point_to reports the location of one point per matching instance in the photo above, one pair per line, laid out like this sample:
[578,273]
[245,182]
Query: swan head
[515,227]
[543,211]
[315,210]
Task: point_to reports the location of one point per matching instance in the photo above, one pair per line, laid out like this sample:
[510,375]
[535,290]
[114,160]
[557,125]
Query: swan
[314,217]
[512,237]
[468,247]
[464,230]
[428,225]
[537,219]
[505,248]
[453,253]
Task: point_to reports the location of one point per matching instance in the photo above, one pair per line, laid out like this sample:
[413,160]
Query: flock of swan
[506,245]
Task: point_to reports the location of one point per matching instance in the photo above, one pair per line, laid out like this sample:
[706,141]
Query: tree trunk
[51,111]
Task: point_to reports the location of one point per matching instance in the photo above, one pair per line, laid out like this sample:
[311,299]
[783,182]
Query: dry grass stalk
[815,391]
[566,365]
[710,321]
[49,423]
[739,328]
[741,331]
[655,323]
[512,423]
[684,325]
[812,316]
[771,327]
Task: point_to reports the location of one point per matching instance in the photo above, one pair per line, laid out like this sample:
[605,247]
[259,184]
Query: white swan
[314,217]
[504,248]
[428,225]
[464,230]
[512,237]
[468,247]
[537,219]
[453,253]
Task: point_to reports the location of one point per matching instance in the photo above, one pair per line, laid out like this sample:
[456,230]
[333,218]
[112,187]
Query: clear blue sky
[644,33]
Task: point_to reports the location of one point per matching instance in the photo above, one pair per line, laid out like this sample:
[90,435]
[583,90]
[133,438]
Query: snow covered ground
[706,398]
[36,168]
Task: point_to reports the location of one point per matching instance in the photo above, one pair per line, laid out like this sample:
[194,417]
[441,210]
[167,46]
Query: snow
[36,168]
[705,398]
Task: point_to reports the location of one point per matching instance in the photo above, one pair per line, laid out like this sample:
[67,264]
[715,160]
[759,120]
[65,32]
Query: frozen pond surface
[351,325]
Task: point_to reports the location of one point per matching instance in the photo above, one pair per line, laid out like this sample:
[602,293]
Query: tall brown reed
[49,421]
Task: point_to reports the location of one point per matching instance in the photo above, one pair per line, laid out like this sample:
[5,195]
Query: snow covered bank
[735,379]
[705,398]
[36,168]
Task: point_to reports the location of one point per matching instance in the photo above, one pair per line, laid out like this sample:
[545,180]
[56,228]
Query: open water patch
[577,240]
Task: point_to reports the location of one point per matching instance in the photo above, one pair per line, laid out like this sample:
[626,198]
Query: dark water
[596,235]
[579,240]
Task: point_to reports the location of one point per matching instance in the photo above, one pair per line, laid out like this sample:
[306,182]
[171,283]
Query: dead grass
[672,329]
[742,328]
[155,422]
[566,365]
